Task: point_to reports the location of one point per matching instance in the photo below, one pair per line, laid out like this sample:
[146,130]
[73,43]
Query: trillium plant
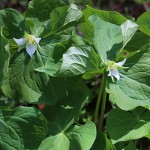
[30,41]
[48,56]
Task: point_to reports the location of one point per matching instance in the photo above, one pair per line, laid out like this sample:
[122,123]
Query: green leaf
[78,40]
[68,108]
[9,138]
[62,133]
[79,60]
[34,26]
[62,18]
[4,57]
[23,83]
[128,30]
[54,40]
[42,9]
[107,38]
[56,45]
[77,138]
[132,89]
[14,23]
[124,126]
[102,143]
[144,23]
[25,128]
[130,146]
[134,44]
[109,16]
[55,142]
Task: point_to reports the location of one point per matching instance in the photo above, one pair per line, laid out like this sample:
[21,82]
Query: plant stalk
[103,105]
[99,100]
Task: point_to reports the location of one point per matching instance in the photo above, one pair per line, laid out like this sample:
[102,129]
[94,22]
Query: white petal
[115,73]
[117,76]
[37,40]
[31,49]
[109,72]
[21,41]
[121,63]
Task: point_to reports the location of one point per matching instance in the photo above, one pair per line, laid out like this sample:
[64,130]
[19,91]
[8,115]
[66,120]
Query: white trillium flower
[30,41]
[113,69]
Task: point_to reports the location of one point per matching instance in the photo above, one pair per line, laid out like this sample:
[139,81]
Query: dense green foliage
[48,52]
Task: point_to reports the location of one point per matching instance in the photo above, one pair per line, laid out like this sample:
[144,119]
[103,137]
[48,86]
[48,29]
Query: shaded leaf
[134,44]
[42,9]
[9,138]
[144,23]
[109,16]
[130,146]
[102,143]
[18,122]
[4,57]
[14,23]
[62,18]
[125,126]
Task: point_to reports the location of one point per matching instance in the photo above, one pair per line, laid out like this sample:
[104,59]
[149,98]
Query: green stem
[102,108]
[99,100]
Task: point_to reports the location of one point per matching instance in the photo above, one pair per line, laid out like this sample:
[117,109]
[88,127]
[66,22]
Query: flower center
[111,65]
[30,39]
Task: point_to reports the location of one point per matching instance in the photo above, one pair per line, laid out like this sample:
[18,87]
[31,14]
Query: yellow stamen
[30,39]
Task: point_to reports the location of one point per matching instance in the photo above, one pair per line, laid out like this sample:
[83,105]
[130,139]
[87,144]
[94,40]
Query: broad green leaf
[109,16]
[9,138]
[55,142]
[132,89]
[38,14]
[77,138]
[130,146]
[139,39]
[68,108]
[41,9]
[27,127]
[22,82]
[54,40]
[34,26]
[62,18]
[59,89]
[107,38]
[4,57]
[128,30]
[78,40]
[62,133]
[79,60]
[102,143]
[148,136]
[144,23]
[14,23]
[124,126]
[56,45]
